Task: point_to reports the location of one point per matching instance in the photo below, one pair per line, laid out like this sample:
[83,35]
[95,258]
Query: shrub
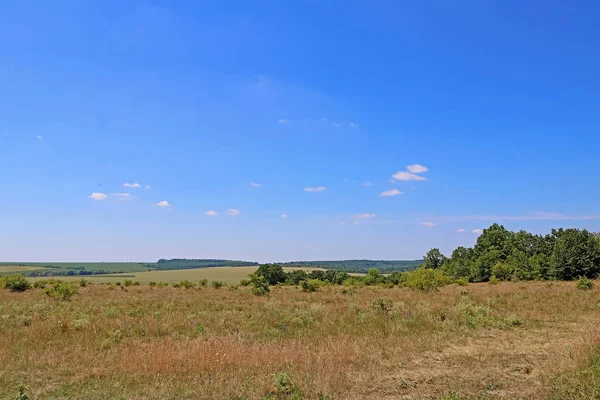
[187,284]
[203,282]
[382,306]
[311,285]
[426,279]
[152,284]
[83,283]
[15,283]
[493,280]
[584,283]
[285,388]
[260,286]
[245,282]
[128,282]
[462,281]
[136,283]
[61,291]
[218,284]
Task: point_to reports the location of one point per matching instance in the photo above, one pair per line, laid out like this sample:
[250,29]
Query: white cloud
[284,216]
[353,125]
[407,176]
[254,184]
[283,121]
[417,168]
[163,203]
[428,224]
[98,196]
[132,185]
[343,223]
[336,125]
[122,196]
[147,187]
[363,216]
[323,119]
[392,180]
[367,183]
[390,193]
[211,213]
[315,189]
[461,230]
[39,137]
[233,212]
[477,231]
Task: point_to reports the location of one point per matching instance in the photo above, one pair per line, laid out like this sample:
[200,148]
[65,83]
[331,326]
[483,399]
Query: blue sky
[492,104]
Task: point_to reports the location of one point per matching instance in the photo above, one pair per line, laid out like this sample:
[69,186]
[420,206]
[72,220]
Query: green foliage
[127,282]
[434,259]
[272,273]
[311,285]
[62,291]
[260,286]
[382,306]
[462,281]
[576,253]
[203,282]
[358,266]
[584,283]
[182,263]
[152,284]
[425,279]
[15,283]
[83,283]
[493,280]
[187,284]
[502,271]
[21,394]
[217,284]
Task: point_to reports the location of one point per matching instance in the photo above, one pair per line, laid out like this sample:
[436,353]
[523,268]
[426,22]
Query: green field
[107,266]
[10,268]
[229,275]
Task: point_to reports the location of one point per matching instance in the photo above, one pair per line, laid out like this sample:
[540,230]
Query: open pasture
[533,340]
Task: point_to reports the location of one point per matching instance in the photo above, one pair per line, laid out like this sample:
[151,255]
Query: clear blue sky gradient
[499,100]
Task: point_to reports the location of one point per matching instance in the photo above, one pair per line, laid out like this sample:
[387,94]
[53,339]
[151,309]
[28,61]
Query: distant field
[227,274]
[107,266]
[16,268]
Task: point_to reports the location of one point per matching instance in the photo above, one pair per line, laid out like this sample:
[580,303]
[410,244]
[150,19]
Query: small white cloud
[39,137]
[417,168]
[122,196]
[392,180]
[233,212]
[343,223]
[284,216]
[428,224]
[323,119]
[211,213]
[132,185]
[362,216]
[98,196]
[336,125]
[315,189]
[283,121]
[367,183]
[461,230]
[353,125]
[147,187]
[477,231]
[163,203]
[407,176]
[254,184]
[390,193]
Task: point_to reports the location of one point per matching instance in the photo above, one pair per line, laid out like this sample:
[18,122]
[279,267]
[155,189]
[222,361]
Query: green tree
[272,273]
[576,253]
[434,259]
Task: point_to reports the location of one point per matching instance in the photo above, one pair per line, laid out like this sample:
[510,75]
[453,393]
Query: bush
[245,282]
[15,283]
[218,284]
[83,283]
[260,286]
[203,282]
[462,281]
[61,291]
[128,282]
[584,283]
[382,306]
[311,285]
[187,284]
[152,284]
[493,280]
[426,279]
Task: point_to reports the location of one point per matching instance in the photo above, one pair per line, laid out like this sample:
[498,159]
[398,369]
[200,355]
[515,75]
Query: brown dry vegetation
[513,340]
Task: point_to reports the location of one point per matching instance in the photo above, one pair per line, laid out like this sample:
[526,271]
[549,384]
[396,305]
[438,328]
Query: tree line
[499,254]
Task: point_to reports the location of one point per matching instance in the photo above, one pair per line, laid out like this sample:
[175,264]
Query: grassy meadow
[230,275]
[533,340]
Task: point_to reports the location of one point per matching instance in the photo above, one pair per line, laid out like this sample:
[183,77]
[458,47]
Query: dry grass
[513,340]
